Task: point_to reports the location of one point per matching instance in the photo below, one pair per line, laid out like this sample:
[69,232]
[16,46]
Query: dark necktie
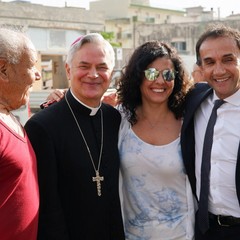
[205,169]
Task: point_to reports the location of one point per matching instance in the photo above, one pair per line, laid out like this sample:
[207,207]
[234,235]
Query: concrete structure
[52,30]
[133,22]
[130,17]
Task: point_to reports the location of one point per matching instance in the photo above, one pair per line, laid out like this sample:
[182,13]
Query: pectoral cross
[98,180]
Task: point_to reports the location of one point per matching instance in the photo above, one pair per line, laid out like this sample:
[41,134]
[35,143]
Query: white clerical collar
[93,110]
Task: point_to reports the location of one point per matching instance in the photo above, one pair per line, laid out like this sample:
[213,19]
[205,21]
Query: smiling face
[90,73]
[17,79]
[159,90]
[220,64]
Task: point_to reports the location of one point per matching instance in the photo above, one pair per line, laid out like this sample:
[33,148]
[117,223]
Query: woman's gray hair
[12,44]
[90,38]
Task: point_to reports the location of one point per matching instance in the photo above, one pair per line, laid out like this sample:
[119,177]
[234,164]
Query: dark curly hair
[129,94]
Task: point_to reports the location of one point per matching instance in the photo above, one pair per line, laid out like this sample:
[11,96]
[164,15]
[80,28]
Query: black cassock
[70,207]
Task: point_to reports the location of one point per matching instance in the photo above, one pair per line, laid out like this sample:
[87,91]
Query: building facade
[53,29]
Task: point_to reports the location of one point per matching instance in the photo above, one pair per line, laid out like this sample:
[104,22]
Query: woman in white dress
[157,200]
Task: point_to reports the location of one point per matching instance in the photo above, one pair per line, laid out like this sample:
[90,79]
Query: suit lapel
[192,105]
[196,97]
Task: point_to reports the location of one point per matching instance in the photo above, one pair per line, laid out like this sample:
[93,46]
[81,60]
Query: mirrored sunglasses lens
[151,74]
[168,75]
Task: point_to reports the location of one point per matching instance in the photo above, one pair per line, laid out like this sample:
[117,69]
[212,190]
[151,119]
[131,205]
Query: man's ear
[67,68]
[3,70]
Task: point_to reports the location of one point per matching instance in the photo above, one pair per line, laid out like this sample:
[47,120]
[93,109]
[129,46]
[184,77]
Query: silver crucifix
[98,180]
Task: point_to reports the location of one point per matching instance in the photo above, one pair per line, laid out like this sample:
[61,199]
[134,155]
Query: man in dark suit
[75,141]
[218,55]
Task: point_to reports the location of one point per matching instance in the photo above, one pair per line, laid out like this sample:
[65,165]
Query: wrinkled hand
[56,95]
[110,98]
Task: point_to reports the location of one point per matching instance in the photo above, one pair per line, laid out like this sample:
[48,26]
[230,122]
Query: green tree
[109,36]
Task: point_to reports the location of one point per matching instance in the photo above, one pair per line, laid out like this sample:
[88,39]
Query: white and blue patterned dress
[157,201]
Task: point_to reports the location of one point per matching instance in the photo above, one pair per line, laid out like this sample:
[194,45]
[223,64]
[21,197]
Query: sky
[224,7]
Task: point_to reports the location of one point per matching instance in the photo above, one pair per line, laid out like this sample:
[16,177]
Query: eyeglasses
[152,74]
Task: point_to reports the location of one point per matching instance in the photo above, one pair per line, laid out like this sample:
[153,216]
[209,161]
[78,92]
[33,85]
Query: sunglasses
[152,74]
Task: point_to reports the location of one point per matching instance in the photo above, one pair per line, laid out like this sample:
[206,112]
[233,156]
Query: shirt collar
[233,99]
[93,110]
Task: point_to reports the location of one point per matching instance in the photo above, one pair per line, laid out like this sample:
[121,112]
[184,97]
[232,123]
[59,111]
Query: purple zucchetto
[77,40]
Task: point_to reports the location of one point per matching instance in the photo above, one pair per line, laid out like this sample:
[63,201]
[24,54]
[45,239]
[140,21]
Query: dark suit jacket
[69,206]
[193,101]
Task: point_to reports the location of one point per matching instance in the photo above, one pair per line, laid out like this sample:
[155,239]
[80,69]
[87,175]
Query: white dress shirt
[222,197]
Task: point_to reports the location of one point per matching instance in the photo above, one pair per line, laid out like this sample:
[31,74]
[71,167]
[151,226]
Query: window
[180,46]
[57,39]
